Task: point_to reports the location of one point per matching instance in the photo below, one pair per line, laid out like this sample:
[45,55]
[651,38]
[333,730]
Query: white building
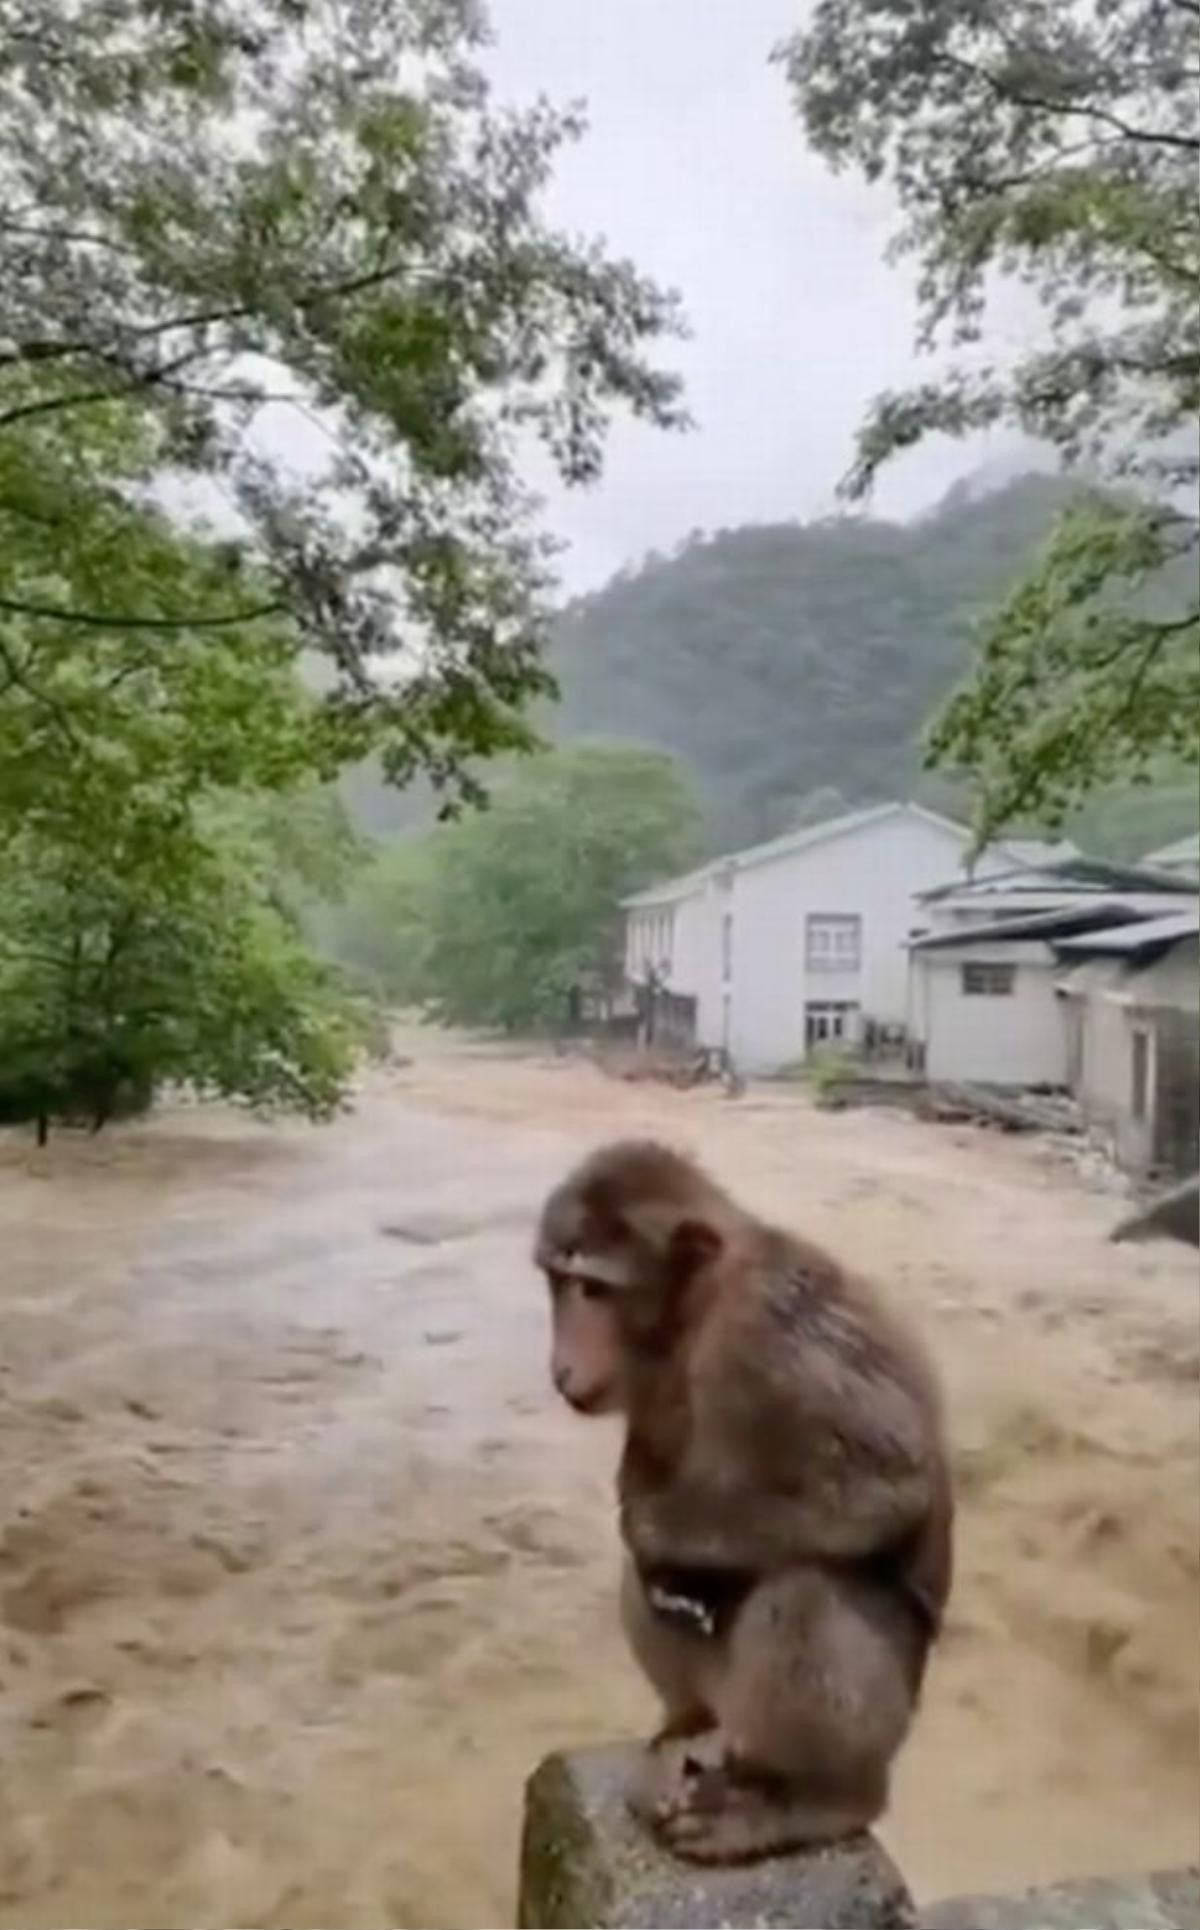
[985,996]
[1131,1003]
[983,1008]
[801,940]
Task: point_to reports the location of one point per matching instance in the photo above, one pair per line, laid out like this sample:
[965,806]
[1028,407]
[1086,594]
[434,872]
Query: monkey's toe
[671,1774]
[702,1836]
[744,1826]
[658,1784]
[688,1807]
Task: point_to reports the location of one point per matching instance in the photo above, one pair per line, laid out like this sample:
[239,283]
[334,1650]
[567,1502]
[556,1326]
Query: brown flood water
[302,1569]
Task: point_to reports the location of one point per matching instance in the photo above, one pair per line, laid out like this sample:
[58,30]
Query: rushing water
[301,1568]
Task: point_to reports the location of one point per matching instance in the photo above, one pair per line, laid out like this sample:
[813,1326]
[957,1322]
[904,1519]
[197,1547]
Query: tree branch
[135,379]
[77,399]
[44,351]
[1127,698]
[1085,110]
[17,679]
[16,606]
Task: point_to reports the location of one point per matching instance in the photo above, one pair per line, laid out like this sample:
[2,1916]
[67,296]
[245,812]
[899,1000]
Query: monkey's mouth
[599,1401]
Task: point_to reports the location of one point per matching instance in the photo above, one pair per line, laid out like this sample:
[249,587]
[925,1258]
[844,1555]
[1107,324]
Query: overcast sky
[695,167]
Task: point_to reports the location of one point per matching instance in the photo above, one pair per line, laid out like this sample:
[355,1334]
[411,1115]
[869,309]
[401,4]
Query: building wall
[1177,1093]
[698,964]
[650,940]
[873,874]
[1016,1038]
[713,982]
[1104,1085]
[1161,1005]
[680,941]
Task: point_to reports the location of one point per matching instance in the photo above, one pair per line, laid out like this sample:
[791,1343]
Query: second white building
[801,941]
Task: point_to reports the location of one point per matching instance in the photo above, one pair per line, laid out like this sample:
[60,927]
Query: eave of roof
[783,847]
[1144,935]
[1064,921]
[1077,877]
[1181,851]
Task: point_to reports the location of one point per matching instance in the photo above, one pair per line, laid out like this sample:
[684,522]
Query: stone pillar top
[586,1862]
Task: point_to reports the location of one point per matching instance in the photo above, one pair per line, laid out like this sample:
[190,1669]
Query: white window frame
[833,941]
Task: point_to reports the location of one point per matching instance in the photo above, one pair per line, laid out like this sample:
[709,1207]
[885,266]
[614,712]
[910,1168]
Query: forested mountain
[787,659]
[794,666]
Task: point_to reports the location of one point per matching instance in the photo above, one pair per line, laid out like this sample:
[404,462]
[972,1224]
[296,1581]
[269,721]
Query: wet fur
[785,1501]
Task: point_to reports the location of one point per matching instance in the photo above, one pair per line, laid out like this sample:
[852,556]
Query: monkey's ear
[693,1244]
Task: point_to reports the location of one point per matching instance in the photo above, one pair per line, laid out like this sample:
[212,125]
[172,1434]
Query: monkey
[783,1492]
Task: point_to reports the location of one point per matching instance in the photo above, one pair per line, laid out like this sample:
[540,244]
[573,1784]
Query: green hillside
[793,667]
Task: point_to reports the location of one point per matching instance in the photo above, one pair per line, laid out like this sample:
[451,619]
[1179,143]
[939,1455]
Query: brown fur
[785,1499]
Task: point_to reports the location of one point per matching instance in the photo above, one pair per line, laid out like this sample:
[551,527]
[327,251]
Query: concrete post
[1165,1900]
[586,1863]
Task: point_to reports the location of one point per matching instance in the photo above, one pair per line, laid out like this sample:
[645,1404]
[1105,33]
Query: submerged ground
[302,1568]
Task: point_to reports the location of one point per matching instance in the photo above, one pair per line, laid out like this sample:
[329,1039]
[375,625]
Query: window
[833,942]
[1141,1074]
[988,981]
[658,935]
[727,946]
[666,938]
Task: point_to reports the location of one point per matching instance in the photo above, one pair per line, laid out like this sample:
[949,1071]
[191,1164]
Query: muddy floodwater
[302,1569]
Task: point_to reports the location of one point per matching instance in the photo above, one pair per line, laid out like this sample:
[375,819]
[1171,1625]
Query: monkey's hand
[680,1610]
[702,1601]
[676,1528]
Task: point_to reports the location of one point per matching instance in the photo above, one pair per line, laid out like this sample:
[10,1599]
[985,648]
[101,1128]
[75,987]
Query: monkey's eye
[595,1290]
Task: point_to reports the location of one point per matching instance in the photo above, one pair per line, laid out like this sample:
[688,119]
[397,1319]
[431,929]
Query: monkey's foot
[709,1817]
[668,1765]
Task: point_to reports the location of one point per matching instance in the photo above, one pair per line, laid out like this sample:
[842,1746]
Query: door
[828,1022]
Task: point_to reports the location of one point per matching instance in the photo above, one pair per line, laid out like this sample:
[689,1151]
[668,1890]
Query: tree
[383,930]
[119,973]
[294,239]
[1090,672]
[499,916]
[1053,141]
[149,882]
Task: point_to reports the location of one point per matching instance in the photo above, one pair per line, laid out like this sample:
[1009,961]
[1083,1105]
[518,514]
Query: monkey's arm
[814,1435]
[693,1523]
[837,1485]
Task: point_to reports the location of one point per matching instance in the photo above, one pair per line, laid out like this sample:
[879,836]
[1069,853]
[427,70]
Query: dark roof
[1067,874]
[1119,877]
[1065,921]
[1146,935]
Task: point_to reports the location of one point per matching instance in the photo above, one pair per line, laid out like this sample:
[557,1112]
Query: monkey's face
[588,1274]
[587,1358]
[619,1270]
